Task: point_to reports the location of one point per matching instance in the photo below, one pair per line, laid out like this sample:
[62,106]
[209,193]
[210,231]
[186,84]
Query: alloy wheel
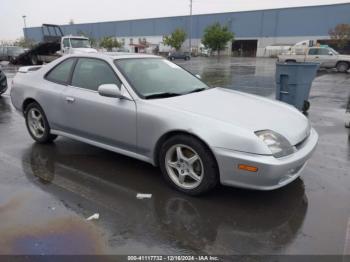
[184,166]
[36,123]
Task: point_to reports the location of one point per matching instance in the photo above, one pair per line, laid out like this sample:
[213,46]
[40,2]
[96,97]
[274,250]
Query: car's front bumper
[272,172]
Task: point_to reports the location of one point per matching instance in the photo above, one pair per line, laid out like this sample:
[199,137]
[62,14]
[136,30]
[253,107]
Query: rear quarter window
[61,72]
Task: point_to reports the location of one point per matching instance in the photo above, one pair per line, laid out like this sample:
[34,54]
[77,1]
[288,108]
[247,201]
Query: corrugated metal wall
[300,21]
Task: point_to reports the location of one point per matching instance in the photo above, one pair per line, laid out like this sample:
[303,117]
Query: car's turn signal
[248,168]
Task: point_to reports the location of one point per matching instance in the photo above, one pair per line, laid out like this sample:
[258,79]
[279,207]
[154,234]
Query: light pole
[190,36]
[25,25]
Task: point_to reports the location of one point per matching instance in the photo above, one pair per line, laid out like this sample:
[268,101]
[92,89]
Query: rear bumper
[272,172]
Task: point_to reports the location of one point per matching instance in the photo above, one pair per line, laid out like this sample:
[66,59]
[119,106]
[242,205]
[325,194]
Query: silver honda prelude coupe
[151,109]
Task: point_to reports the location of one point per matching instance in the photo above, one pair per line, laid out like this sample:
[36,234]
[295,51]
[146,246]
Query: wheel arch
[343,61]
[27,102]
[173,133]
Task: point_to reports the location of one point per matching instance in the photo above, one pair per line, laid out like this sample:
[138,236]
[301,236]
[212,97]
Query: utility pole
[25,25]
[190,36]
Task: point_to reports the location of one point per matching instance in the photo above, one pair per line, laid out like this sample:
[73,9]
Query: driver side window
[90,73]
[313,51]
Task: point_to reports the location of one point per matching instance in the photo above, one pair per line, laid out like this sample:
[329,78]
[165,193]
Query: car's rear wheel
[3,83]
[188,165]
[342,67]
[34,59]
[37,124]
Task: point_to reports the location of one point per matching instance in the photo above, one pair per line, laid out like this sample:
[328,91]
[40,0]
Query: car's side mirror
[110,90]
[330,53]
[198,76]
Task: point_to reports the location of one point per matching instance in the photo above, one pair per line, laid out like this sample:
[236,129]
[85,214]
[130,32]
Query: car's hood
[344,57]
[247,111]
[83,50]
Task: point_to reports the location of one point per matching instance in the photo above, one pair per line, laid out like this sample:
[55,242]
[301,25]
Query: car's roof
[115,55]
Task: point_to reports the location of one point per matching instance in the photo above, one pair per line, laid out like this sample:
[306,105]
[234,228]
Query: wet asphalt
[48,191]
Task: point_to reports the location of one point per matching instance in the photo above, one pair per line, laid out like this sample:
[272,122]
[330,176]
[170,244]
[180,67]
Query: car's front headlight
[277,143]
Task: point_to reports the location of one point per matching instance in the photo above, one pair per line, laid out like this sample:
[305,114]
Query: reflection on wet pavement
[169,219]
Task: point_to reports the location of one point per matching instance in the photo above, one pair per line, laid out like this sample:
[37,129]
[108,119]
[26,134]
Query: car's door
[54,83]
[110,121]
[65,46]
[312,55]
[329,59]
[322,56]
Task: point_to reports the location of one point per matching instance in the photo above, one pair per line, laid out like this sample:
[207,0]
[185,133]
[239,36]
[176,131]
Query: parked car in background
[3,82]
[326,56]
[151,109]
[179,55]
[10,53]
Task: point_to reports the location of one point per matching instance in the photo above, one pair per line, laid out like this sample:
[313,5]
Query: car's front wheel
[37,124]
[342,67]
[188,165]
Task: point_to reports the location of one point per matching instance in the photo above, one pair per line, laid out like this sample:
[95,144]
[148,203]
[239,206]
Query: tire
[180,172]
[342,67]
[306,106]
[3,83]
[37,124]
[347,120]
[34,59]
[172,58]
[12,61]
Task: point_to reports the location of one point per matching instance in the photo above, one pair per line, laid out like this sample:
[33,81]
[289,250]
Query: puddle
[33,223]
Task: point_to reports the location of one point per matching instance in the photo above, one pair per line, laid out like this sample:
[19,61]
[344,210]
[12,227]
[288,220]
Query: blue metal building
[254,29]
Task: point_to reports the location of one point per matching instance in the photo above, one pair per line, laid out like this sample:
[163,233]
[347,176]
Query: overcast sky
[84,11]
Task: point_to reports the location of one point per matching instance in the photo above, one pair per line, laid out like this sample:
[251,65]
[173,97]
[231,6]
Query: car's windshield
[80,43]
[156,76]
[333,51]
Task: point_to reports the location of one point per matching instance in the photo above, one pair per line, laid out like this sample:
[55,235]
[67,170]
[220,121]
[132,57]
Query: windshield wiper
[162,95]
[197,90]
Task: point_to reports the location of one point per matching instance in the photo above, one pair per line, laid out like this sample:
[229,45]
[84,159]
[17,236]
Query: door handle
[316,57]
[70,99]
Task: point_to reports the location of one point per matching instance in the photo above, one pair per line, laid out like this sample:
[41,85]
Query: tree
[109,43]
[216,37]
[176,39]
[340,34]
[71,22]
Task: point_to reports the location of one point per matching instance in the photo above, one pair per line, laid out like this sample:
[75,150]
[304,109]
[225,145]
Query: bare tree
[340,35]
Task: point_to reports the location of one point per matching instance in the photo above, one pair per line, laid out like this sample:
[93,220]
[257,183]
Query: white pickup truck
[54,44]
[326,56]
